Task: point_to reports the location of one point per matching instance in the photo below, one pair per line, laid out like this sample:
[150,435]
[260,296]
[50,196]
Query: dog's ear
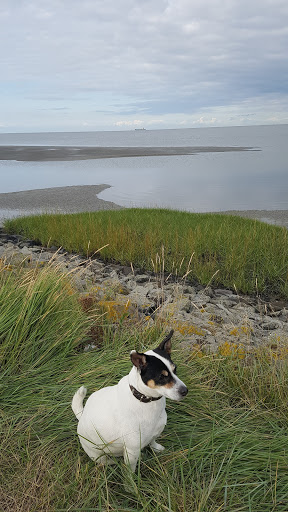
[166,343]
[139,360]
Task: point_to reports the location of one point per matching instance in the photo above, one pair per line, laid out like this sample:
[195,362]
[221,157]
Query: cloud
[135,122]
[202,121]
[164,58]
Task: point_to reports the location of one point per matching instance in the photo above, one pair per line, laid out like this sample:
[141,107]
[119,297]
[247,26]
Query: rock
[270,326]
[157,295]
[131,284]
[200,299]
[261,308]
[26,251]
[189,290]
[143,278]
[184,305]
[203,318]
[284,315]
[219,291]
[209,292]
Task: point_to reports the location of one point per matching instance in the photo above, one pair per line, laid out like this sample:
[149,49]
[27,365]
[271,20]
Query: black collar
[143,398]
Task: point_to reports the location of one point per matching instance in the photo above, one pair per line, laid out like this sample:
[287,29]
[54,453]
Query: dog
[121,420]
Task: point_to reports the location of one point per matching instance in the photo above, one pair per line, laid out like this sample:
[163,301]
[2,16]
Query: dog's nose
[183,391]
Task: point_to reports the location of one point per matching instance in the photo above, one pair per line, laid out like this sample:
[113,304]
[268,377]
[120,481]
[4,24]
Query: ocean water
[253,180]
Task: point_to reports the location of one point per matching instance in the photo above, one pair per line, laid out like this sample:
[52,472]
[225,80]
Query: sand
[61,153]
[59,199]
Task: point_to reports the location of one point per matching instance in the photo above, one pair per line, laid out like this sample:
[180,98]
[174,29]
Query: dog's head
[158,372]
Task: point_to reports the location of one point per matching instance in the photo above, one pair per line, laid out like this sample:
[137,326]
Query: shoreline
[80,198]
[275,217]
[70,199]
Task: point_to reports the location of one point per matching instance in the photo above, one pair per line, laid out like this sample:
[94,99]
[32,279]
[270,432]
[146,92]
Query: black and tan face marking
[155,374]
[158,371]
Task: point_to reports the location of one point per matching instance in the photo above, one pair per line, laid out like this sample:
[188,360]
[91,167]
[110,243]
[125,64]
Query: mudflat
[57,199]
[61,153]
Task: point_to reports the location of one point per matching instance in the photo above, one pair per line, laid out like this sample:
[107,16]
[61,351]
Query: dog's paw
[156,446]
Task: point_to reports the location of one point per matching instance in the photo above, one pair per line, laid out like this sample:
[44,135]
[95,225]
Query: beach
[82,198]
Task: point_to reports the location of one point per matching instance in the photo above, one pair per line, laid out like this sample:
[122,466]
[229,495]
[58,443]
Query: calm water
[204,182]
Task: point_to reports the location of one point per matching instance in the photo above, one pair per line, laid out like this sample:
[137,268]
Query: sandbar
[62,153]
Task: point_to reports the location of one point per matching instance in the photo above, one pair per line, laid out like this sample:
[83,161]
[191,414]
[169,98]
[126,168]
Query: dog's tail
[77,402]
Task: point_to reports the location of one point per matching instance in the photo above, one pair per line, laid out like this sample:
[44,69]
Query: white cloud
[135,122]
[173,58]
[202,120]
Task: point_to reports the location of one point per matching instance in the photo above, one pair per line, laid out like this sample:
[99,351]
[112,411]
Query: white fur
[114,423]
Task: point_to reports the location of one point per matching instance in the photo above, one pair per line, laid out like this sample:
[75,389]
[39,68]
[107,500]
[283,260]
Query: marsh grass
[226,443]
[228,251]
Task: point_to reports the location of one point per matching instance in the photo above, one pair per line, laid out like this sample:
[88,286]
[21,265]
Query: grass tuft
[32,303]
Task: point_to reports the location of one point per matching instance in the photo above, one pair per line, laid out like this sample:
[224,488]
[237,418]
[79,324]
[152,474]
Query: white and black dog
[120,420]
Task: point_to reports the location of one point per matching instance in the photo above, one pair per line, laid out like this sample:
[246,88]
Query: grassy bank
[229,251]
[226,443]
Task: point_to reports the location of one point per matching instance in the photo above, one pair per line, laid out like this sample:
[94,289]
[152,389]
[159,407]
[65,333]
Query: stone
[184,305]
[143,278]
[270,326]
[189,290]
[209,292]
[26,251]
[202,318]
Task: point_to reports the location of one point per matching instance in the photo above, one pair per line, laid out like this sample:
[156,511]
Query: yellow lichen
[187,329]
[234,350]
[115,310]
[238,331]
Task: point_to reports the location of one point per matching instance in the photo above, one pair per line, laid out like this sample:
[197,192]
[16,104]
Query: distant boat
[137,129]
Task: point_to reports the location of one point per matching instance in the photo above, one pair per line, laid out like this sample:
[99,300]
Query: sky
[71,65]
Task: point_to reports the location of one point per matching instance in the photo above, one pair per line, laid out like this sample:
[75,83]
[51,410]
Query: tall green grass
[32,304]
[226,442]
[248,255]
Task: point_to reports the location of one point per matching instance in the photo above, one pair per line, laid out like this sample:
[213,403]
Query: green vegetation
[229,251]
[226,442]
[32,304]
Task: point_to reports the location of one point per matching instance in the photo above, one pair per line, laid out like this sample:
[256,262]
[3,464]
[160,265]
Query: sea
[244,180]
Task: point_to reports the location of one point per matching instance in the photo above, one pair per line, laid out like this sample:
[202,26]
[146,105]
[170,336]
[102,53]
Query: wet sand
[61,153]
[56,200]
